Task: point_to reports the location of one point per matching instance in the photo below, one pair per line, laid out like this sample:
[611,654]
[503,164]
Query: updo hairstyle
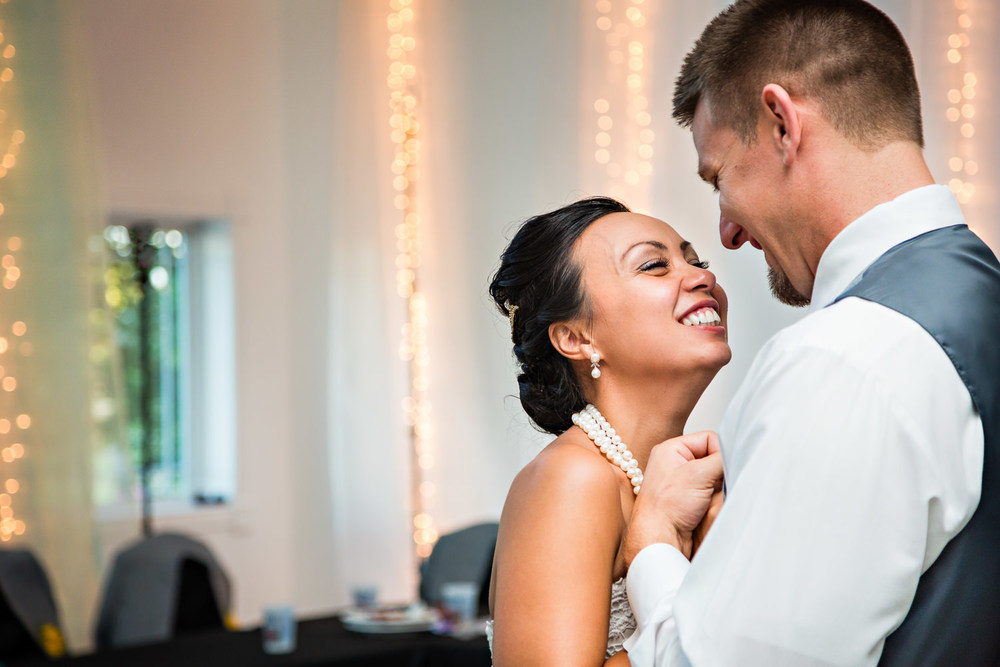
[539,279]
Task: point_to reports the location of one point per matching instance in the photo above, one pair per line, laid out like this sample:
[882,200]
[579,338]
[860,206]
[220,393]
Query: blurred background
[248,242]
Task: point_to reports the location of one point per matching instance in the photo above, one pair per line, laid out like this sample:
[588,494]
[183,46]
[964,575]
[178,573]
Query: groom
[861,522]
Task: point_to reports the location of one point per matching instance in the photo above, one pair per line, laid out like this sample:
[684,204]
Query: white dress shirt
[852,453]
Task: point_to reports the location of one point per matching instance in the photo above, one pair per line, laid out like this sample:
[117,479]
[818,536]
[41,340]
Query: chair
[29,621]
[161,587]
[464,555]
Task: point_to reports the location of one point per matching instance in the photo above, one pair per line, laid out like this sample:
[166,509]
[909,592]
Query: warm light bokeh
[403,132]
[623,138]
[12,273]
[962,110]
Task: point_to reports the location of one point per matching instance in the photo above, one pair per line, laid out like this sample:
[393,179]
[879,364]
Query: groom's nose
[733,236]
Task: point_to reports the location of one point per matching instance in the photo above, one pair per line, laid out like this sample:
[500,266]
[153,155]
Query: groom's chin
[783,291]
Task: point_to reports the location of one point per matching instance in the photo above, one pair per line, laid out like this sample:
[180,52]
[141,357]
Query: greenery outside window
[175,345]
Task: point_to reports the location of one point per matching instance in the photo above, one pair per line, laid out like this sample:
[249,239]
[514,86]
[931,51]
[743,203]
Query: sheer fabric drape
[63,362]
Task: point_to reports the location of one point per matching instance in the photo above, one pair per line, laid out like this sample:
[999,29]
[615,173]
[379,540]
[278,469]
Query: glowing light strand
[623,140]
[13,425]
[962,111]
[404,132]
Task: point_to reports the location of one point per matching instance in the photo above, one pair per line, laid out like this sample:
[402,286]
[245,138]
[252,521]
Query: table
[322,642]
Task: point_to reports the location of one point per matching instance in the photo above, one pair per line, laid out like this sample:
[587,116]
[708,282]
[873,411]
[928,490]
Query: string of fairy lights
[13,423]
[623,141]
[404,132]
[961,110]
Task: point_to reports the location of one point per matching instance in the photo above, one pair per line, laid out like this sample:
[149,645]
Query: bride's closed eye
[655,264]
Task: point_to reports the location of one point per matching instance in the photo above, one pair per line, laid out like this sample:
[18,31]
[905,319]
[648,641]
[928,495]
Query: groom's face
[753,207]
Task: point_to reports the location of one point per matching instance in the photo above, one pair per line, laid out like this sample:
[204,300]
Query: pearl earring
[595,365]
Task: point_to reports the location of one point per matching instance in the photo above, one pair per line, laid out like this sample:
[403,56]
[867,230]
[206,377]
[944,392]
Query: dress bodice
[620,626]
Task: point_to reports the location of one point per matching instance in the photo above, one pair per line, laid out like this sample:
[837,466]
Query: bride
[614,320]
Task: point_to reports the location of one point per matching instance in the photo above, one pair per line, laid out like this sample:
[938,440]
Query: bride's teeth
[701,317]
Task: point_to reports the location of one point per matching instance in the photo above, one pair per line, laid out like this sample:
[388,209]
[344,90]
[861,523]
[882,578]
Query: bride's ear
[569,340]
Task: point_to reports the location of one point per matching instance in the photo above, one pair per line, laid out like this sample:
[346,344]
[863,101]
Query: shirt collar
[866,239]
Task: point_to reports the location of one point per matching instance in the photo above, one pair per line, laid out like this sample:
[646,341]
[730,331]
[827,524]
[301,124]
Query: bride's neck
[646,418]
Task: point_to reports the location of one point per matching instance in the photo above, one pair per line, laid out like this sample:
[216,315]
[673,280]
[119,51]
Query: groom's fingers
[667,459]
[687,447]
[701,443]
[707,470]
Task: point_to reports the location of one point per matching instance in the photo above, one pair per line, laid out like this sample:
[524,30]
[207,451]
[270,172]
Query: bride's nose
[698,279]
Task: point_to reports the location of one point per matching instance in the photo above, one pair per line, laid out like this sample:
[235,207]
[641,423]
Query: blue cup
[279,629]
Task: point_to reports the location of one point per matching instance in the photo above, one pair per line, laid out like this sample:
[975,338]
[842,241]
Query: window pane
[153,262]
[186,328]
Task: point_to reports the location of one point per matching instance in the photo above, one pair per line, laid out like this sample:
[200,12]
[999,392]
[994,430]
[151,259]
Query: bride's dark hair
[541,282]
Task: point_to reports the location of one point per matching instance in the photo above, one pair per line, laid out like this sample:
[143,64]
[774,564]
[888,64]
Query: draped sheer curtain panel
[58,344]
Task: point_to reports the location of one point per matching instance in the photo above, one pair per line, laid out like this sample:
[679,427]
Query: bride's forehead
[618,228]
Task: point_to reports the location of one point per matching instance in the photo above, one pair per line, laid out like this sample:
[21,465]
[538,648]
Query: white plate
[389,620]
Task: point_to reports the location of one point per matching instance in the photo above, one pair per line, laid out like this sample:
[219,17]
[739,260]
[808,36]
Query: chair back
[464,555]
[29,621]
[159,587]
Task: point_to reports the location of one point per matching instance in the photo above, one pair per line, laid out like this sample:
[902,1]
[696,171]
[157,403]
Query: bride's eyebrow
[656,244]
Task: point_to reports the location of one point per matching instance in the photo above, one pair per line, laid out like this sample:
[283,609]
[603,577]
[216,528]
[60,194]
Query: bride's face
[656,307]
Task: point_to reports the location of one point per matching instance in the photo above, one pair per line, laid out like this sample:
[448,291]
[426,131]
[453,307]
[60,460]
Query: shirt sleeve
[653,579]
[846,477]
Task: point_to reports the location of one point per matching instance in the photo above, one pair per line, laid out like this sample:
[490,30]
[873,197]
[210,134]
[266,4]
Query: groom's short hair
[844,54]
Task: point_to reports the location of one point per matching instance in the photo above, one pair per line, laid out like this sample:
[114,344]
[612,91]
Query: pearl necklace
[610,443]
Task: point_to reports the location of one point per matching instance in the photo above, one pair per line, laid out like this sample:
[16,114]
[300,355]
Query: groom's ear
[784,121]
[569,340]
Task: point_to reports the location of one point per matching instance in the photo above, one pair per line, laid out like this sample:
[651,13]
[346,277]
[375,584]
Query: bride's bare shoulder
[569,467]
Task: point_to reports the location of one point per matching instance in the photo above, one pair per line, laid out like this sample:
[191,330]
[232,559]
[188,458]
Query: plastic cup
[364,596]
[279,629]
[460,600]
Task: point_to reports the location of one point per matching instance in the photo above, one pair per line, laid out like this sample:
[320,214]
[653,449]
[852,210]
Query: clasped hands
[681,494]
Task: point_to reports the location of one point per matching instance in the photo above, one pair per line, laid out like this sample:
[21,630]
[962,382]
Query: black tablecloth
[321,642]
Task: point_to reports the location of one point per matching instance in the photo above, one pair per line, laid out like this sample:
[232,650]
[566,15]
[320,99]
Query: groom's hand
[679,481]
[701,532]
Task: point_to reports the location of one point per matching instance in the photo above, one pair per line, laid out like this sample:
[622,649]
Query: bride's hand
[701,531]
[680,479]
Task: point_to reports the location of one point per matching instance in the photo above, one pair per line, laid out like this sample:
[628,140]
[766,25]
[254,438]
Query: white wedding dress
[621,626]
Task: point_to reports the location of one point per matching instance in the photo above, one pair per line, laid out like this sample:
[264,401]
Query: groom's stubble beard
[783,291]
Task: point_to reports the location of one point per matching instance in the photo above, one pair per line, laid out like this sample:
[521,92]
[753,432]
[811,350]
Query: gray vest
[948,282]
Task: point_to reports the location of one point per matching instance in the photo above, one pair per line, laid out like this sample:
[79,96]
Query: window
[175,346]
